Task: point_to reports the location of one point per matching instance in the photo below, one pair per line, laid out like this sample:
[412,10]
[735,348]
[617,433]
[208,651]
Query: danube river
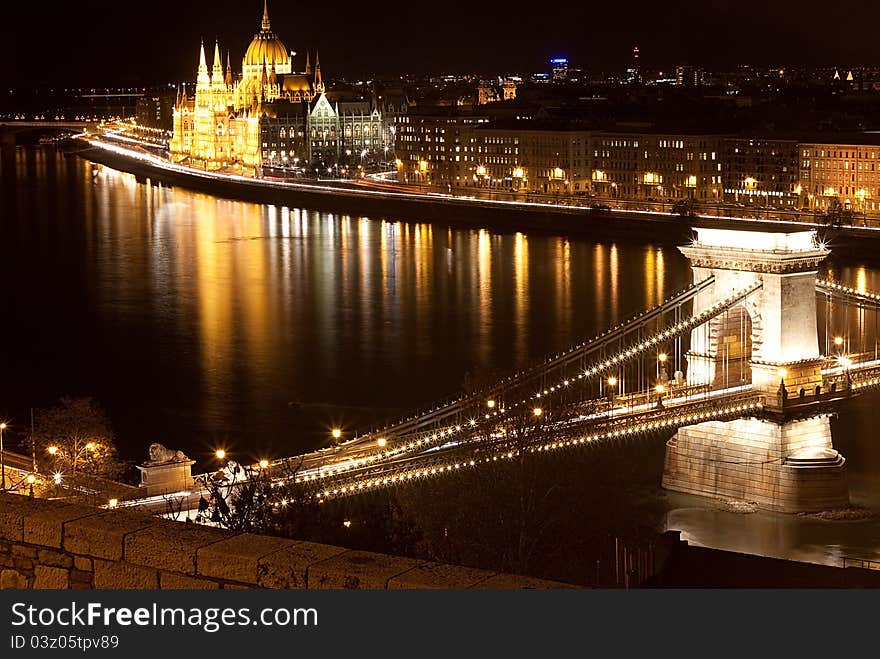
[201,323]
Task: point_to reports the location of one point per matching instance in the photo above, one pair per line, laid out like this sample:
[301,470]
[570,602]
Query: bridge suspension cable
[852,295]
[455,406]
[458,433]
[401,471]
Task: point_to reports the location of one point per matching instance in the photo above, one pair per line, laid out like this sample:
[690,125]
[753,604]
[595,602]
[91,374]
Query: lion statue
[160,454]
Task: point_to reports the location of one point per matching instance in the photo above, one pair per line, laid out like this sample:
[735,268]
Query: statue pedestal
[166,477]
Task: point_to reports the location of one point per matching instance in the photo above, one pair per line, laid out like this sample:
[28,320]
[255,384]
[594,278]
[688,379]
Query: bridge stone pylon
[769,343]
[781,314]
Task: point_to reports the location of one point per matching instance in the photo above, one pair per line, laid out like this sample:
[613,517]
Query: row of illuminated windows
[857,154]
[844,165]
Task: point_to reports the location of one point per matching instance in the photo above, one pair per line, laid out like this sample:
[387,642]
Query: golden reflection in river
[521,294]
[212,280]
[483,317]
[601,288]
[861,279]
[267,304]
[562,289]
[423,248]
[654,272]
[614,278]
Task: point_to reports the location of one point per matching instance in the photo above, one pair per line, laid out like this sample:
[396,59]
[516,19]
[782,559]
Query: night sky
[115,42]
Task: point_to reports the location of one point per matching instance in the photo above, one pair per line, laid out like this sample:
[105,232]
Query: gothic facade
[272,114]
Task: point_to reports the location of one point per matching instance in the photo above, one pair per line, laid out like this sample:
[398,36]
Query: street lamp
[490,403]
[537,412]
[612,386]
[382,442]
[659,389]
[220,454]
[264,464]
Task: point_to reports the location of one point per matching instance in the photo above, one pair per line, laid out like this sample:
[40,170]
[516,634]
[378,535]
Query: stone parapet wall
[54,545]
[752,460]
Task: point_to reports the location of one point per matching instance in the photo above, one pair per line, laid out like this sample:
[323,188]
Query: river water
[200,322]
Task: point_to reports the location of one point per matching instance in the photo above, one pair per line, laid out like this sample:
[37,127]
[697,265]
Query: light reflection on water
[197,321]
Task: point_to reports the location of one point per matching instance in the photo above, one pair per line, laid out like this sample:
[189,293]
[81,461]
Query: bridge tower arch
[784,336]
[780,461]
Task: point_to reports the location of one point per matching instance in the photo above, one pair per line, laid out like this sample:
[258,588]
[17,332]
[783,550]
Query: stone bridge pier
[770,343]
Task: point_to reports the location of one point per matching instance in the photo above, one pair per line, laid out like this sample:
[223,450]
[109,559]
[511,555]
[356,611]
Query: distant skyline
[103,42]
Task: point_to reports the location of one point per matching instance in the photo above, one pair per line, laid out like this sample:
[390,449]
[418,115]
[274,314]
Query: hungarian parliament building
[273,115]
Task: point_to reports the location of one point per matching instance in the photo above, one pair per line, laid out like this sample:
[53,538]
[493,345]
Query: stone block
[103,535]
[23,551]
[53,558]
[171,545]
[80,576]
[82,563]
[116,575]
[289,568]
[358,569]
[516,582]
[12,580]
[44,527]
[171,581]
[50,578]
[13,510]
[437,576]
[236,559]
[23,564]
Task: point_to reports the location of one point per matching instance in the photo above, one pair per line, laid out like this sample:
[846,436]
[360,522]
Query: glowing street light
[382,442]
[659,388]
[52,450]
[612,386]
[490,403]
[838,341]
[336,433]
[113,503]
[662,357]
[220,453]
[264,464]
[537,411]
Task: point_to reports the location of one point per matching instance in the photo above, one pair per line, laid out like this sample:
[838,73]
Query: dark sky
[104,42]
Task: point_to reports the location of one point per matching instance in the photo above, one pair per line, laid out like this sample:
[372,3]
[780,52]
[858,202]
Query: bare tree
[75,438]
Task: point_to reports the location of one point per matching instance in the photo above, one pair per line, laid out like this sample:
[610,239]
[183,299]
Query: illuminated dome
[266,47]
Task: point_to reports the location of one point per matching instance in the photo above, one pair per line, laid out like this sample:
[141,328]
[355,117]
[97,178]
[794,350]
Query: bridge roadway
[363,453]
[354,467]
[357,466]
[593,420]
